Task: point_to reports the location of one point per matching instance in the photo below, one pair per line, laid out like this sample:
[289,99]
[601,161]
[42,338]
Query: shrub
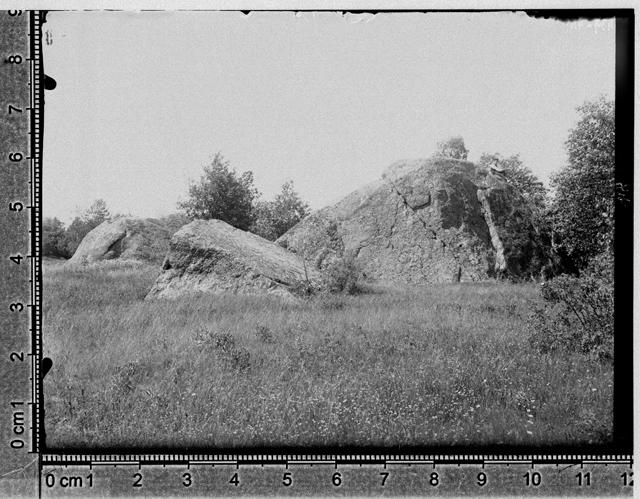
[53,238]
[304,288]
[224,342]
[342,276]
[519,176]
[223,194]
[578,314]
[274,218]
[225,347]
[264,334]
[452,148]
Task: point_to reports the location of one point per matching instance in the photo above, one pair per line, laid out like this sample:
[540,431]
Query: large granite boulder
[436,220]
[214,257]
[124,238]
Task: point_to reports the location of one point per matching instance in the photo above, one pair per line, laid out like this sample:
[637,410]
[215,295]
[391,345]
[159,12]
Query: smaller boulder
[124,238]
[211,256]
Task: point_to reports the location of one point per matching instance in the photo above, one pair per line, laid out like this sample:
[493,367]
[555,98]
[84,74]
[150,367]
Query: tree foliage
[535,195]
[274,218]
[60,242]
[578,312]
[223,194]
[452,148]
[53,238]
[585,190]
[96,213]
[75,233]
[85,223]
[519,176]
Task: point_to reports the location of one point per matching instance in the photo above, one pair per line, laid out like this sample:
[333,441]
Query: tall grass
[441,365]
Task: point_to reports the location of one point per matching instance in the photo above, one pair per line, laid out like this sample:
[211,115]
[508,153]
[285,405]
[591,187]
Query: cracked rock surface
[212,256]
[125,238]
[437,220]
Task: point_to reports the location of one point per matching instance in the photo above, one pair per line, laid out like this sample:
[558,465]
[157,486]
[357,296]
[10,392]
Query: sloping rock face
[438,220]
[214,257]
[125,238]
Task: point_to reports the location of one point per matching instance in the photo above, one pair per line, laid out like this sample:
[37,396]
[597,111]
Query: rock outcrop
[432,220]
[214,257]
[124,238]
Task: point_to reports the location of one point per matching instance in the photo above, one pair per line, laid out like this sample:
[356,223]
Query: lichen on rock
[436,220]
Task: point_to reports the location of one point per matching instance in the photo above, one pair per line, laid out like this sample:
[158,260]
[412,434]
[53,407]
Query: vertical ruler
[20,199]
[35,157]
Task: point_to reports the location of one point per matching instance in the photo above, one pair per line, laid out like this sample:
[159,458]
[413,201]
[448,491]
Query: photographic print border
[620,447]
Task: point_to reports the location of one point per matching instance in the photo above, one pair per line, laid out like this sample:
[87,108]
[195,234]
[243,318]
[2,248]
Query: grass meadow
[431,365]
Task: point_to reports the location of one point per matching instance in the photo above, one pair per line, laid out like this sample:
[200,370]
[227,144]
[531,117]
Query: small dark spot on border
[49,83]
[47,364]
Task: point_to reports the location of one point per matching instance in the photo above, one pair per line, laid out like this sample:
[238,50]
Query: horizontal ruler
[98,459]
[321,475]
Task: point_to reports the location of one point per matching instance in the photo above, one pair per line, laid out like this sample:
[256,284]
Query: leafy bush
[60,242]
[53,238]
[578,314]
[452,148]
[223,194]
[274,218]
[224,346]
[224,342]
[585,190]
[304,289]
[519,176]
[341,276]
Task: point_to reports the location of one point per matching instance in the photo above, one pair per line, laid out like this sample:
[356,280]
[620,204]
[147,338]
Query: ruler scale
[188,475]
[31,470]
[35,36]
[21,119]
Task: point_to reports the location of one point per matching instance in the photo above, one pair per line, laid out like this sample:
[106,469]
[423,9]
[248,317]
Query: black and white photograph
[279,230]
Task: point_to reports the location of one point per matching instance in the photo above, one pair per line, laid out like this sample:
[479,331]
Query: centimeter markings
[35,44]
[276,459]
[347,474]
[34,37]
[21,113]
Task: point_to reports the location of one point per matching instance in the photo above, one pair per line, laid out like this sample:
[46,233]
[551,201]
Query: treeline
[60,241]
[577,212]
[576,216]
[220,193]
[224,194]
[578,311]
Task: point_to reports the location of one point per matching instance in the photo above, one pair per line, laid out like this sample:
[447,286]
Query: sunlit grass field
[431,365]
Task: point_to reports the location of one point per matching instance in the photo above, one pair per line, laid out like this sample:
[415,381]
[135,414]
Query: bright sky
[144,100]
